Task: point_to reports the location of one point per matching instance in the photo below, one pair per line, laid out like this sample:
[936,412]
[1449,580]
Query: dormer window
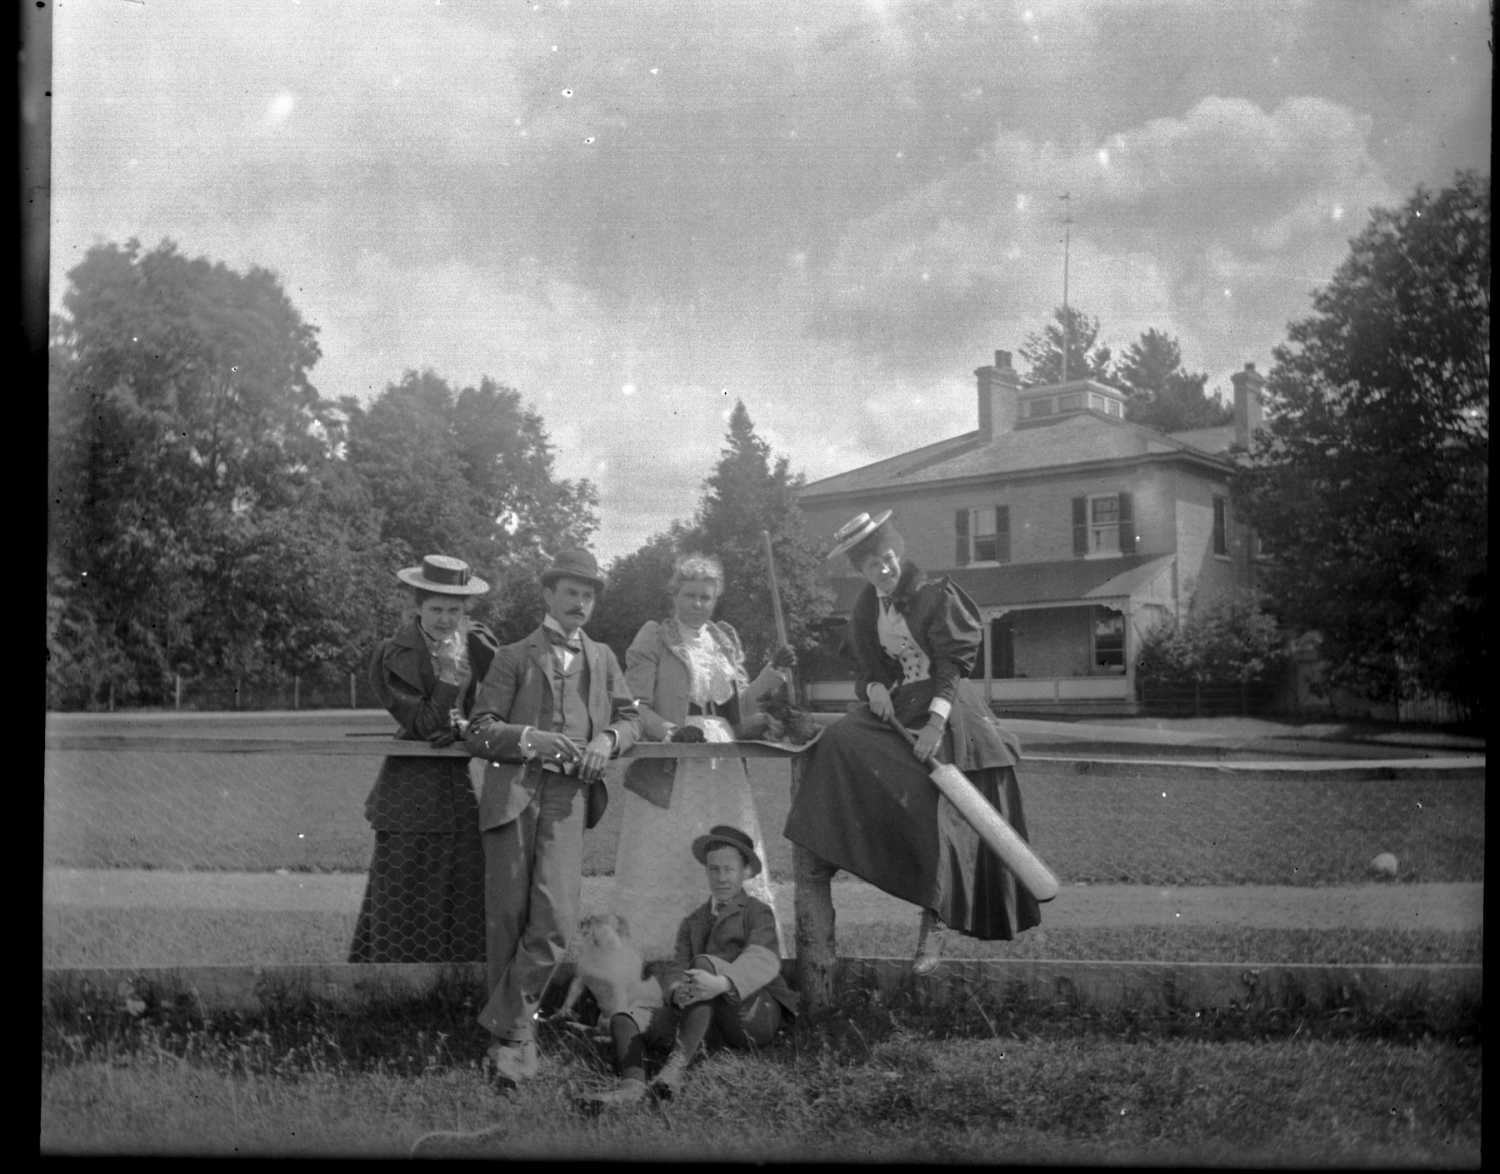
[1065,399]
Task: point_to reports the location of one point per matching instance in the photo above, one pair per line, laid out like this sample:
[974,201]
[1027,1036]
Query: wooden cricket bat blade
[1014,852]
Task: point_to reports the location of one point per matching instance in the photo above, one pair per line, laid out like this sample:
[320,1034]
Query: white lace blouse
[713,674]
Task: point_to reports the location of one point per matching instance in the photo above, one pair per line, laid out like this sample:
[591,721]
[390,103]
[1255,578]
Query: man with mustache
[551,712]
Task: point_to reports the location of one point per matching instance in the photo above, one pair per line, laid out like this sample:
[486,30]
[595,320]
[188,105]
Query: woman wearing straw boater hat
[866,803]
[424,901]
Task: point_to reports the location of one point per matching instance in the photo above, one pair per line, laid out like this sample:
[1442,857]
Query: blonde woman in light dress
[687,672]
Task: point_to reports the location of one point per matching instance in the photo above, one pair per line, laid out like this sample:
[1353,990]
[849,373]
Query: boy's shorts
[644,1009]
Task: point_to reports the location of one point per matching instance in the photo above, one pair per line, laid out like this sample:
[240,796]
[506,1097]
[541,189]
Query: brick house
[1074,531]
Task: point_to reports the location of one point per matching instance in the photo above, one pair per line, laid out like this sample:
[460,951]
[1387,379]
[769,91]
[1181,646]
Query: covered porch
[1059,637]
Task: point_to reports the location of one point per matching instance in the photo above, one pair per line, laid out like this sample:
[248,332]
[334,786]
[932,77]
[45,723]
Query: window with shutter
[1103,525]
[1221,525]
[983,535]
[961,545]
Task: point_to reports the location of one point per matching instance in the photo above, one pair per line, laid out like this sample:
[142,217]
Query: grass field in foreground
[1002,1081]
[1129,825]
[198,937]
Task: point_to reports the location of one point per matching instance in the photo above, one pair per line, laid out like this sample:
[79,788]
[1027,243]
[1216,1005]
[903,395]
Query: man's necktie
[561,641]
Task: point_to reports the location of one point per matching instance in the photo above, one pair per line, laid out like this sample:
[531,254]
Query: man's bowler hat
[722,835]
[573,564]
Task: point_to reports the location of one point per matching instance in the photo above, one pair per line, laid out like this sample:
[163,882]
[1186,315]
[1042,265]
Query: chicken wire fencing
[165,846]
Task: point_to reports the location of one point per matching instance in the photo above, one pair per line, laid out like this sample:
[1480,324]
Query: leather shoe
[514,1062]
[930,935]
[669,1080]
[626,1093]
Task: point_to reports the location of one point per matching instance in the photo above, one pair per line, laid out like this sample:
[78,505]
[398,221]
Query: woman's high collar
[907,585]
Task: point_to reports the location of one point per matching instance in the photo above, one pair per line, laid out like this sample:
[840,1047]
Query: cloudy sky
[637,213]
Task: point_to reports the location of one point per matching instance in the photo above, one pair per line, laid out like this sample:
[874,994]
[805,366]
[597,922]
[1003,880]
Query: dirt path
[1443,907]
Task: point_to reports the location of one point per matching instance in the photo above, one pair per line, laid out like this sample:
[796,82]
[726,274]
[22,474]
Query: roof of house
[1061,581]
[1078,439]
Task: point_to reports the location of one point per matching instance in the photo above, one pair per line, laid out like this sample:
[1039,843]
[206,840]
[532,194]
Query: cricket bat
[980,814]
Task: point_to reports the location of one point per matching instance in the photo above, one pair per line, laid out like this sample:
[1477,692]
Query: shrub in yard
[1231,641]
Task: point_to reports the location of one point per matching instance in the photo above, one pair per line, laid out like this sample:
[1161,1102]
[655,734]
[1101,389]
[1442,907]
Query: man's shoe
[626,1093]
[669,1080]
[514,1062]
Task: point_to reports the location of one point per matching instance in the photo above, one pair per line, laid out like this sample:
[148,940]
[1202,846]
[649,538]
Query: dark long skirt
[424,901]
[866,805]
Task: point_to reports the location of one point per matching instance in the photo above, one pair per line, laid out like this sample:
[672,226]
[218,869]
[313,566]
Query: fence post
[296,690]
[812,904]
[176,690]
[351,692]
[236,692]
[111,697]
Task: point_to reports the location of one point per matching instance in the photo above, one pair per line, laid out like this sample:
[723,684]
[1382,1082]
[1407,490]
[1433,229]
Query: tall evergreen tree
[747,494]
[1160,393]
[1043,349]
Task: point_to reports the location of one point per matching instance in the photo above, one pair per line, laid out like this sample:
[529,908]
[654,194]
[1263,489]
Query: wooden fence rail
[812,899]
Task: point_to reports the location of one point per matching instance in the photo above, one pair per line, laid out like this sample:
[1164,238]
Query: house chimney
[1248,411]
[997,397]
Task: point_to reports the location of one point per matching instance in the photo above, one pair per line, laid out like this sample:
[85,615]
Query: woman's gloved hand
[759,726]
[879,698]
[929,738]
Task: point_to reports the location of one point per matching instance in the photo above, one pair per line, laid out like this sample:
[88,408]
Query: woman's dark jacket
[424,794]
[946,625]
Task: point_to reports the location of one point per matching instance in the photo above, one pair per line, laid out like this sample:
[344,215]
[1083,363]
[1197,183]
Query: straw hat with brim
[855,531]
[573,564]
[443,576]
[724,836]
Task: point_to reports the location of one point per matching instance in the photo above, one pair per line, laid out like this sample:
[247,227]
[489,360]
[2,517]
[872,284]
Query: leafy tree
[637,590]
[179,399]
[1369,487]
[1043,349]
[1160,394]
[748,494]
[469,474]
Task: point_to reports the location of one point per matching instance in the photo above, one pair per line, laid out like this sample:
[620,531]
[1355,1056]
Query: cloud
[1164,214]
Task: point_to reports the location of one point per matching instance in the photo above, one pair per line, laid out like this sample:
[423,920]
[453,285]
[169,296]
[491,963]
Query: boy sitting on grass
[724,986]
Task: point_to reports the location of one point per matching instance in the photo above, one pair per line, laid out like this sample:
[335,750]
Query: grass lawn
[876,1081]
[241,812]
[75,937]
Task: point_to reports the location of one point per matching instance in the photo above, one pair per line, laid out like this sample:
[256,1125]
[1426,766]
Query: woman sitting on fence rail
[425,898]
[866,803]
